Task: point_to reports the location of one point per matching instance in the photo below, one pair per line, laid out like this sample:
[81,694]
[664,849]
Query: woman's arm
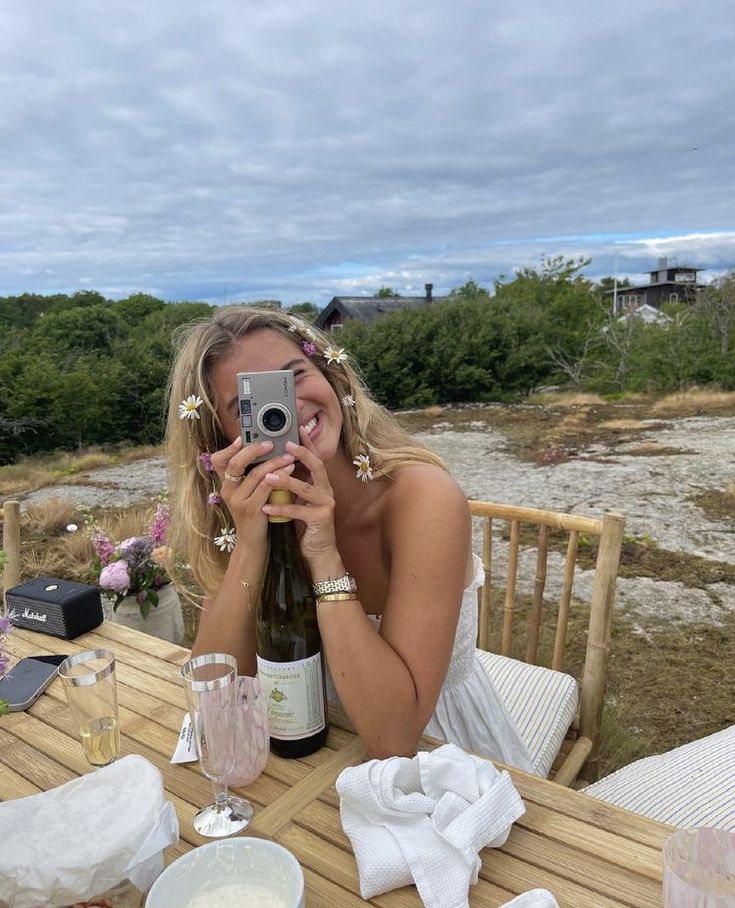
[227,621]
[389,683]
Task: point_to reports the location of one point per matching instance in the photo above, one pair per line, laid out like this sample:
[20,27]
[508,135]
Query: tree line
[546,326]
[80,369]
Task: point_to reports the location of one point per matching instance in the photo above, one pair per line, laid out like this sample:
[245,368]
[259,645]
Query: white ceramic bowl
[256,863]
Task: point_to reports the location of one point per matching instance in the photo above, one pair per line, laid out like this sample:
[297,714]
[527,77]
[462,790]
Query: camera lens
[275,419]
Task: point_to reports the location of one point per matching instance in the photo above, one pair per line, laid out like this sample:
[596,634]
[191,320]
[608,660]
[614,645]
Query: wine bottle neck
[280,496]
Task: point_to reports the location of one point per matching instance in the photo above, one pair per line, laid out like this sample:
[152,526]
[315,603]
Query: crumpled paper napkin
[76,841]
[423,820]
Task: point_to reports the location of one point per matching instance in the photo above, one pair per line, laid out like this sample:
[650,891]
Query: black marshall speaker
[61,608]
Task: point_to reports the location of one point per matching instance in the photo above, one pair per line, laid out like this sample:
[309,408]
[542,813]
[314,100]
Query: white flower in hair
[226,542]
[364,470]
[189,408]
[348,400]
[333,355]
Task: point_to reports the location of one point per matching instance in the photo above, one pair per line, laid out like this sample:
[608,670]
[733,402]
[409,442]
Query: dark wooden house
[369,309]
[667,284]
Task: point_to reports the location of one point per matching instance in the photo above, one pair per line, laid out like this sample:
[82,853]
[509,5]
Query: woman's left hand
[314,506]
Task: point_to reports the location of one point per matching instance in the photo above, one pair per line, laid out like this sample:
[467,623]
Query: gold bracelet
[337,597]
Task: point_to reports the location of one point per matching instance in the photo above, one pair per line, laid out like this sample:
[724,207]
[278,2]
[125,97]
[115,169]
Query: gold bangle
[337,597]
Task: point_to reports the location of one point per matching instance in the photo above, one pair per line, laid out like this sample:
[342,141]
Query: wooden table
[589,854]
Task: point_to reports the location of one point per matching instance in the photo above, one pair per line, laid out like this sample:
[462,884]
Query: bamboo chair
[579,754]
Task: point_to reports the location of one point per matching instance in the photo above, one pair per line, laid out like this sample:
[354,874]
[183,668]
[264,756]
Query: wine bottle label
[294,694]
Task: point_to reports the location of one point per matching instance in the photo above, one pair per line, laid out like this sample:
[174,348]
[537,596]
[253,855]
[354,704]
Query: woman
[373,504]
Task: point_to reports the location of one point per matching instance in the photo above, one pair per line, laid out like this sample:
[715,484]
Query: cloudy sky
[297,149]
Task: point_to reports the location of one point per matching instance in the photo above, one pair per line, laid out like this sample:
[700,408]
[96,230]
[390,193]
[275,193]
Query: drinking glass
[699,869]
[252,737]
[91,690]
[211,687]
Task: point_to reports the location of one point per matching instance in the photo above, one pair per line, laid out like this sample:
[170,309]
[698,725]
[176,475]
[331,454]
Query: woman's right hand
[245,495]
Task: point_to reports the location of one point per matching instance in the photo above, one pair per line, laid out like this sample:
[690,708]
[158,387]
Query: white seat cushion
[692,785]
[541,702]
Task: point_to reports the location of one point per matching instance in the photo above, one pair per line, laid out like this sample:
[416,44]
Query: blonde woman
[373,505]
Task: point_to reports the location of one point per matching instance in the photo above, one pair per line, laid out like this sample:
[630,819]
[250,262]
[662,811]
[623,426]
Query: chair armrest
[573,762]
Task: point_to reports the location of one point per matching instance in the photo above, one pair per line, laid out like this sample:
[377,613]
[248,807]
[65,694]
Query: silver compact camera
[267,405]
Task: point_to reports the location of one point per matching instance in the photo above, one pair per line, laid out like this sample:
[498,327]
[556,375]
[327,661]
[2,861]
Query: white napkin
[424,820]
[534,898]
[81,839]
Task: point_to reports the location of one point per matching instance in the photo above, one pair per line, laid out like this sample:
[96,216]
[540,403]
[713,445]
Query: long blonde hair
[367,427]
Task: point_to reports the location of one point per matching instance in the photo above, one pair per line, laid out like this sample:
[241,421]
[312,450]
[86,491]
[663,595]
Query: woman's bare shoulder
[426,486]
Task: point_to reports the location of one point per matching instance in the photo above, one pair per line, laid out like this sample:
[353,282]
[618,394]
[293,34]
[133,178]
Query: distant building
[675,284]
[368,309]
[648,314]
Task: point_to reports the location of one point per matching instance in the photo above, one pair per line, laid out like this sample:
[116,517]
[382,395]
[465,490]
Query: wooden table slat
[600,875]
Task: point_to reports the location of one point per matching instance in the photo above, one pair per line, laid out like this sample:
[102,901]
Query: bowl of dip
[245,872]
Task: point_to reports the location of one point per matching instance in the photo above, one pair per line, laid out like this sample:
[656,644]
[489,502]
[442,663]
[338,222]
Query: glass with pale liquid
[91,690]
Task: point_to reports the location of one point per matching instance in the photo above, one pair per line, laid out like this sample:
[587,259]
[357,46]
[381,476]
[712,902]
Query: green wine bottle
[288,645]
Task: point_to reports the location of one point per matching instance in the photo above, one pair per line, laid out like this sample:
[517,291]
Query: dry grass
[572,422]
[718,504]
[47,547]
[695,399]
[31,473]
[623,425]
[52,516]
[565,399]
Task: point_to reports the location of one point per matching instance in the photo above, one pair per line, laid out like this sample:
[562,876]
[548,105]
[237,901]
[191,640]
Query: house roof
[369,309]
[648,314]
[677,285]
[672,267]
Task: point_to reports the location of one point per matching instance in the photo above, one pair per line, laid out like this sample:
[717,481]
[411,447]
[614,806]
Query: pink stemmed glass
[252,742]
[211,687]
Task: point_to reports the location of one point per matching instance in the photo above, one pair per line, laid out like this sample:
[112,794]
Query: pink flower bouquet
[135,566]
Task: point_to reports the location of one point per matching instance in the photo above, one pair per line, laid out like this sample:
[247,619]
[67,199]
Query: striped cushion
[692,785]
[541,702]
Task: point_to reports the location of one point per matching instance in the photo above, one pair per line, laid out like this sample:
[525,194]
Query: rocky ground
[654,476]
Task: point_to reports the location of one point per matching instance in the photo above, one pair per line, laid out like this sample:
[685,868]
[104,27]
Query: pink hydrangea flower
[115,577]
[309,348]
[205,459]
[214,498]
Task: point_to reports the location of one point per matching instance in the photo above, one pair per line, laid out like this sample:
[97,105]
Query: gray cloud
[298,149]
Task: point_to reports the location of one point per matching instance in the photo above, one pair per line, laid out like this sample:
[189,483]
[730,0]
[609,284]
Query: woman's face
[317,408]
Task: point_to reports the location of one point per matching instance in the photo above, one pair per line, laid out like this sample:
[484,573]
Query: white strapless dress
[469,711]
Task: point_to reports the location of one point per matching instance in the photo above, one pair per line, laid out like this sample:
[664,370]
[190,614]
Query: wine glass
[252,736]
[211,684]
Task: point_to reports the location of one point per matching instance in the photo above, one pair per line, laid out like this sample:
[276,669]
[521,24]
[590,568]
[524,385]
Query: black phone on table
[28,679]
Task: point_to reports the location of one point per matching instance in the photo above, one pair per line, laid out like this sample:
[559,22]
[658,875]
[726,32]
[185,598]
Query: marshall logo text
[34,616]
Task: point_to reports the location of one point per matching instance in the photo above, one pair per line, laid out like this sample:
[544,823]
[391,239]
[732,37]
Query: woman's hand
[243,494]
[314,507]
